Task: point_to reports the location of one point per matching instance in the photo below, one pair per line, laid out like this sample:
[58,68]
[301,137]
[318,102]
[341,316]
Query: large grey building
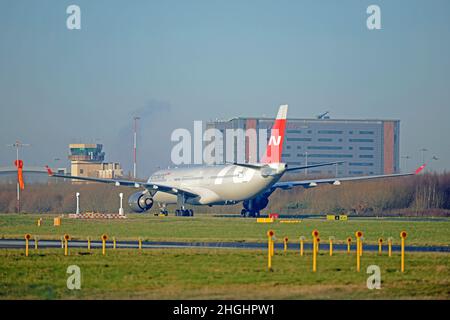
[368,147]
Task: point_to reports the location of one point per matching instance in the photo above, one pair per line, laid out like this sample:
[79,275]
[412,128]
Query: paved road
[20,243]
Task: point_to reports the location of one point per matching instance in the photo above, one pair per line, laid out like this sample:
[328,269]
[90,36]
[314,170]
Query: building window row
[361,164]
[325,140]
[360,140]
[324,148]
[299,139]
[326,155]
[330,132]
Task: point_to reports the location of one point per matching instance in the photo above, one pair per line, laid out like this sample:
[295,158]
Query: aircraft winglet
[50,172]
[419,169]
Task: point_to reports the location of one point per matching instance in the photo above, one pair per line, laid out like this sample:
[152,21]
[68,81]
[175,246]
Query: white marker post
[121,207]
[78,202]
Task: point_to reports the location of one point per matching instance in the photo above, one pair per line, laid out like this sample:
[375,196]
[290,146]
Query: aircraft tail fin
[275,144]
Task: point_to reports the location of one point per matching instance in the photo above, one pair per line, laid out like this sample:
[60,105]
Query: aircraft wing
[285,185]
[259,166]
[127,183]
[314,165]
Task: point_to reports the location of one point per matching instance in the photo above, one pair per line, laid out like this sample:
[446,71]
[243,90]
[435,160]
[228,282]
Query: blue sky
[172,62]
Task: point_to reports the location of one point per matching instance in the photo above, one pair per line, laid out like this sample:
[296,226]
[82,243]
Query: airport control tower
[86,159]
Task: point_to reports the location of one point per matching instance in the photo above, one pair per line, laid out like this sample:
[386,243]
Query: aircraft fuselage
[216,185]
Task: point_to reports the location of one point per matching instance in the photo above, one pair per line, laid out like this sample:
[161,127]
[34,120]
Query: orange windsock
[19,166]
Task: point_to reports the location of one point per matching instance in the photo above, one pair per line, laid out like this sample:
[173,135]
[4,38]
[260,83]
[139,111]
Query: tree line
[425,194]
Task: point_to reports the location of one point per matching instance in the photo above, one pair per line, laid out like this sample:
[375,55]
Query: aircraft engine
[140,202]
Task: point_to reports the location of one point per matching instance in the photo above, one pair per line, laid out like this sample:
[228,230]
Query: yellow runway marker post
[270,235]
[272,248]
[315,235]
[403,237]
[140,244]
[349,242]
[302,240]
[285,240]
[361,240]
[66,244]
[114,243]
[390,246]
[27,239]
[331,245]
[318,244]
[104,238]
[358,235]
[89,244]
[380,246]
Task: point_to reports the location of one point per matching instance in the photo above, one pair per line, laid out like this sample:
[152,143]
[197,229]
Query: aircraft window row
[226,176]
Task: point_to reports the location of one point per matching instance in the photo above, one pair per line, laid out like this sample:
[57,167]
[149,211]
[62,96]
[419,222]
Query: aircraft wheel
[243,212]
[191,212]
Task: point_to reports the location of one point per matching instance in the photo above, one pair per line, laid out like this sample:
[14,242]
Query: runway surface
[20,243]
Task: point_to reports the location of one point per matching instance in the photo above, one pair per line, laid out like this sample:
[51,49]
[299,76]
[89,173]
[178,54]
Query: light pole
[306,163]
[18,145]
[406,157]
[423,150]
[121,208]
[78,202]
[135,145]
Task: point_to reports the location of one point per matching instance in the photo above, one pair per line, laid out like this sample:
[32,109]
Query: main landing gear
[184,213]
[181,209]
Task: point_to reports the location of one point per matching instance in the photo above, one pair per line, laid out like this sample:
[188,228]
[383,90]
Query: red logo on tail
[275,145]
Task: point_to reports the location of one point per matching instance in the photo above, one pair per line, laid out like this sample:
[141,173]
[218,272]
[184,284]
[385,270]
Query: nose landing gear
[249,213]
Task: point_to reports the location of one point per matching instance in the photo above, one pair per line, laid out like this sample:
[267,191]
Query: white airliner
[250,183]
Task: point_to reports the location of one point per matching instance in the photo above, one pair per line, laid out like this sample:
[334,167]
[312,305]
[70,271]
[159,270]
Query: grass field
[221,273]
[217,274]
[222,229]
